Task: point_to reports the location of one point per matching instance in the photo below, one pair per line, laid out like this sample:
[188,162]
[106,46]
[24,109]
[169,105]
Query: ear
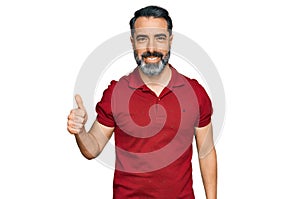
[132,42]
[171,39]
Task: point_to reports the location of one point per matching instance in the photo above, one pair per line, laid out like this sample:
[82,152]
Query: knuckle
[82,113]
[74,125]
[70,116]
[80,119]
[70,122]
[70,130]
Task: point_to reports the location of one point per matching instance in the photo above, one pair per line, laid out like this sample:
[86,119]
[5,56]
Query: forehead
[150,25]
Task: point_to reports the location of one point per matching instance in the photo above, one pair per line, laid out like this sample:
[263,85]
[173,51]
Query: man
[154,113]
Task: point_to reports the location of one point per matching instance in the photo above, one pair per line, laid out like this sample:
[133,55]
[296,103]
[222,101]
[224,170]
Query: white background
[254,45]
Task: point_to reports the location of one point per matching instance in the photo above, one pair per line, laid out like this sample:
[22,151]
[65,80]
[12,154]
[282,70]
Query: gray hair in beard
[152,69]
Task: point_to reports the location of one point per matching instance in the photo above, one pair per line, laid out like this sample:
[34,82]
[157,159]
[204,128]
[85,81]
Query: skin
[150,35]
[207,159]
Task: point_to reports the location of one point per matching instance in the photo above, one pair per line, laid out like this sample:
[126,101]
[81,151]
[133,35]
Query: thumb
[79,102]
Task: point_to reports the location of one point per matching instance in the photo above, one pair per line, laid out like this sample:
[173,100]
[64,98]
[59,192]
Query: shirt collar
[135,81]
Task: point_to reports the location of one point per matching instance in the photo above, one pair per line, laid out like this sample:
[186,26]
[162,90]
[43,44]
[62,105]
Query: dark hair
[152,11]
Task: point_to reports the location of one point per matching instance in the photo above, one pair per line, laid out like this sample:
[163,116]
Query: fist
[77,117]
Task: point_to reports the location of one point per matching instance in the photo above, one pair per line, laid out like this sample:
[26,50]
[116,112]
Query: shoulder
[197,87]
[181,79]
[123,80]
[111,86]
[121,84]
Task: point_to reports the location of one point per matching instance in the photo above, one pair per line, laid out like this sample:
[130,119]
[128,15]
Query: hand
[77,117]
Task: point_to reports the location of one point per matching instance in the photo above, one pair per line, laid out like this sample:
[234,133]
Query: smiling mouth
[151,59]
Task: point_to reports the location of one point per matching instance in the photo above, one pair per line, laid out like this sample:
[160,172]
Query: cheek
[163,46]
[165,52]
[163,49]
[139,52]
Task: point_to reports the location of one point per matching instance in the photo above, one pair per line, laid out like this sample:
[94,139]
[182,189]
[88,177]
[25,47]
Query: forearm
[87,144]
[90,143]
[208,166]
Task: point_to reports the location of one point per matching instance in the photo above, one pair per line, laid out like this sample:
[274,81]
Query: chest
[145,114]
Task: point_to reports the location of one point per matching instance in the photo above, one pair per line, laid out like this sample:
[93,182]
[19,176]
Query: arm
[90,143]
[207,160]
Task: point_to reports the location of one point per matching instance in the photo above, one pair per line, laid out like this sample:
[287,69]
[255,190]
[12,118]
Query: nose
[151,46]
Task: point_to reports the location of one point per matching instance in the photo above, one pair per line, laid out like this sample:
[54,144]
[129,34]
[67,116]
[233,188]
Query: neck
[162,79]
[157,82]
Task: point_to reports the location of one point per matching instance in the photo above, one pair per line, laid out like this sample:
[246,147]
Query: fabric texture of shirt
[154,134]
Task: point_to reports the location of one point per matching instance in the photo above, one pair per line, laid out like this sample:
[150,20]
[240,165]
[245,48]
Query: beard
[152,69]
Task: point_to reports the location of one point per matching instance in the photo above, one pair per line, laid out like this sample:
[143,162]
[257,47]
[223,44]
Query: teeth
[152,58]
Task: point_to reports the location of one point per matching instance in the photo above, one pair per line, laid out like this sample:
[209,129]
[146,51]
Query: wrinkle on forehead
[151,31]
[150,22]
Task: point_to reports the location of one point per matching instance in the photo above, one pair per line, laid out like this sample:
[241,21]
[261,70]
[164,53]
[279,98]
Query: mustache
[153,54]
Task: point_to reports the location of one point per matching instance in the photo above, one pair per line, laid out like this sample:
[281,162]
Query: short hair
[152,11]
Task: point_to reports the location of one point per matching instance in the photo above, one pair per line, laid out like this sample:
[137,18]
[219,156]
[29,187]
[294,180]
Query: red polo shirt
[154,134]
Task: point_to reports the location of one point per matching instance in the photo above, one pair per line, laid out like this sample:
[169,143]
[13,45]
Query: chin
[152,69]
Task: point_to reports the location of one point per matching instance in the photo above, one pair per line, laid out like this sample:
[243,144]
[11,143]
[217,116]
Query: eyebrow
[157,35]
[141,36]
[161,35]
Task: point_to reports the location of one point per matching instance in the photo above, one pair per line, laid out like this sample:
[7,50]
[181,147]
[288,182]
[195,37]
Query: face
[151,43]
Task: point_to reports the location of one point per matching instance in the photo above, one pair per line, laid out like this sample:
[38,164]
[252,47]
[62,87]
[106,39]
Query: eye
[141,39]
[161,38]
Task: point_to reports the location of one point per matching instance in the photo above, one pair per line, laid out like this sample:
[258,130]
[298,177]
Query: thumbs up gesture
[77,117]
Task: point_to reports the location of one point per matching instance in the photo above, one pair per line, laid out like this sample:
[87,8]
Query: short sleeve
[205,105]
[103,107]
